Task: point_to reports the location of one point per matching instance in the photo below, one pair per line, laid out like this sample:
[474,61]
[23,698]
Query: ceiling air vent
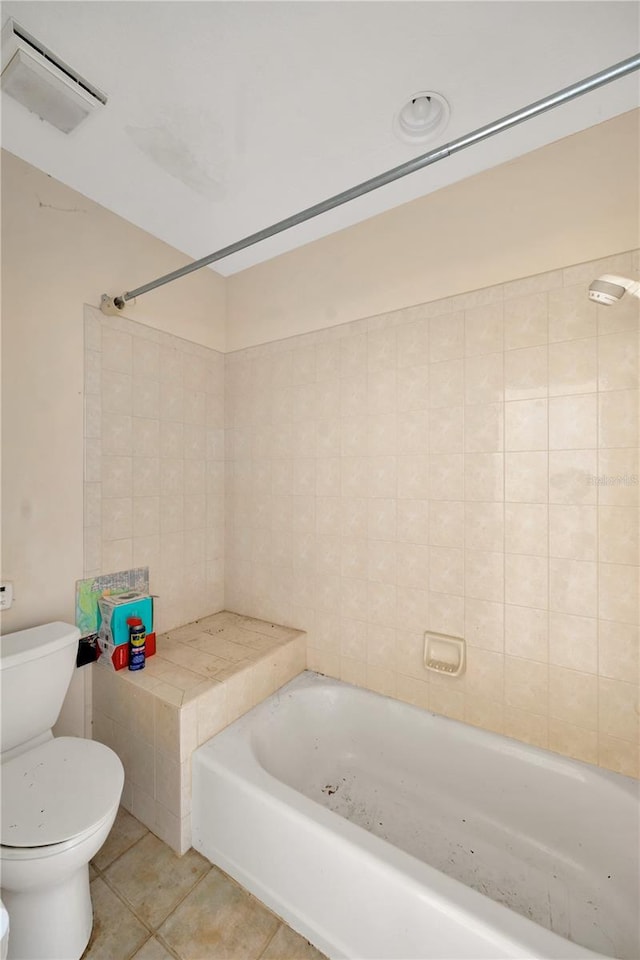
[43,83]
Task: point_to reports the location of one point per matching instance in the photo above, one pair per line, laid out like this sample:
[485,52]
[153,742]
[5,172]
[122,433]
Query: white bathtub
[378,830]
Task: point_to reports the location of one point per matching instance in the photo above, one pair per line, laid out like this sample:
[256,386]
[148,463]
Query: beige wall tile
[168,783]
[618,534]
[447,701]
[526,374]
[626,316]
[381,680]
[526,685]
[412,608]
[527,477]
[618,361]
[484,575]
[618,477]
[571,476]
[620,756]
[446,383]
[571,314]
[573,422]
[573,587]
[528,727]
[526,528]
[353,671]
[573,642]
[447,476]
[484,476]
[618,709]
[381,646]
[484,428]
[446,614]
[211,712]
[412,340]
[484,526]
[618,592]
[446,430]
[618,650]
[413,691]
[446,337]
[484,624]
[573,741]
[573,532]
[526,581]
[117,348]
[484,329]
[573,697]
[484,674]
[526,425]
[618,418]
[410,654]
[412,565]
[446,524]
[526,323]
[573,367]
[413,520]
[484,379]
[446,570]
[484,712]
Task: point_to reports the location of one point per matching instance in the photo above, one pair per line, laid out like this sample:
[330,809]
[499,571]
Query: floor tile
[116,932]
[289,945]
[152,950]
[125,831]
[153,879]
[220,921]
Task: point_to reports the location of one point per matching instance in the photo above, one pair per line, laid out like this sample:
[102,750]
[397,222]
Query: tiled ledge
[204,676]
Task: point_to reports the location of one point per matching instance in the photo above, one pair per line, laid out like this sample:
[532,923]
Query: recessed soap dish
[444,654]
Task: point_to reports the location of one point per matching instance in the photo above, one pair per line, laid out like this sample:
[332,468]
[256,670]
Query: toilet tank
[36,667]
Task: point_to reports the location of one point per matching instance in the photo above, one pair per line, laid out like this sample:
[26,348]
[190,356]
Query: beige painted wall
[60,250]
[571,201]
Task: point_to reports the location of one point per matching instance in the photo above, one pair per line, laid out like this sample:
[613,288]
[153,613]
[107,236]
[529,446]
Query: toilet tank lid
[35,642]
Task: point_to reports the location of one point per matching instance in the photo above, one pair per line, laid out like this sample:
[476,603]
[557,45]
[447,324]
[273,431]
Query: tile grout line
[153,931]
[271,939]
[101,870]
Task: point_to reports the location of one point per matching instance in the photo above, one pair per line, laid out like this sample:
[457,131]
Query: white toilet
[60,797]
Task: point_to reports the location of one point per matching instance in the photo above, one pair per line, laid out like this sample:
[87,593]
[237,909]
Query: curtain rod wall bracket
[111,306]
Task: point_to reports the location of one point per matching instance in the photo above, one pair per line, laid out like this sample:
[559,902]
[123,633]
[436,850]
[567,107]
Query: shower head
[608,289]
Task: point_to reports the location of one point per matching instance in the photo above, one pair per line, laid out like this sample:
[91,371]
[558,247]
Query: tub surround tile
[477,429]
[532,400]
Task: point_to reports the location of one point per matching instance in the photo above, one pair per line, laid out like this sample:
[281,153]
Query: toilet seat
[57,793]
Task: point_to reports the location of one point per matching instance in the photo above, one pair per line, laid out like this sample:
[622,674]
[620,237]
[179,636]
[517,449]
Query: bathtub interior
[553,840]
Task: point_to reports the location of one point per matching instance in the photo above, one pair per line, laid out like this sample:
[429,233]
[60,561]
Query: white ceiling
[224,117]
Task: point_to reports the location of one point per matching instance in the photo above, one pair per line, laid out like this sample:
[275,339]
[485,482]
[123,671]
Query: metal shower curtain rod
[615,72]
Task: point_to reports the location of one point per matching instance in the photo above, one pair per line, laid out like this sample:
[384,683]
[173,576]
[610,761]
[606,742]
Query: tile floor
[150,904]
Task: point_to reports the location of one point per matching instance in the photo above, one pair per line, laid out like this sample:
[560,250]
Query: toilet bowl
[60,797]
[59,803]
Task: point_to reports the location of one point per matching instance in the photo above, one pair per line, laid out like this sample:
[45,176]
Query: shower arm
[114,305]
